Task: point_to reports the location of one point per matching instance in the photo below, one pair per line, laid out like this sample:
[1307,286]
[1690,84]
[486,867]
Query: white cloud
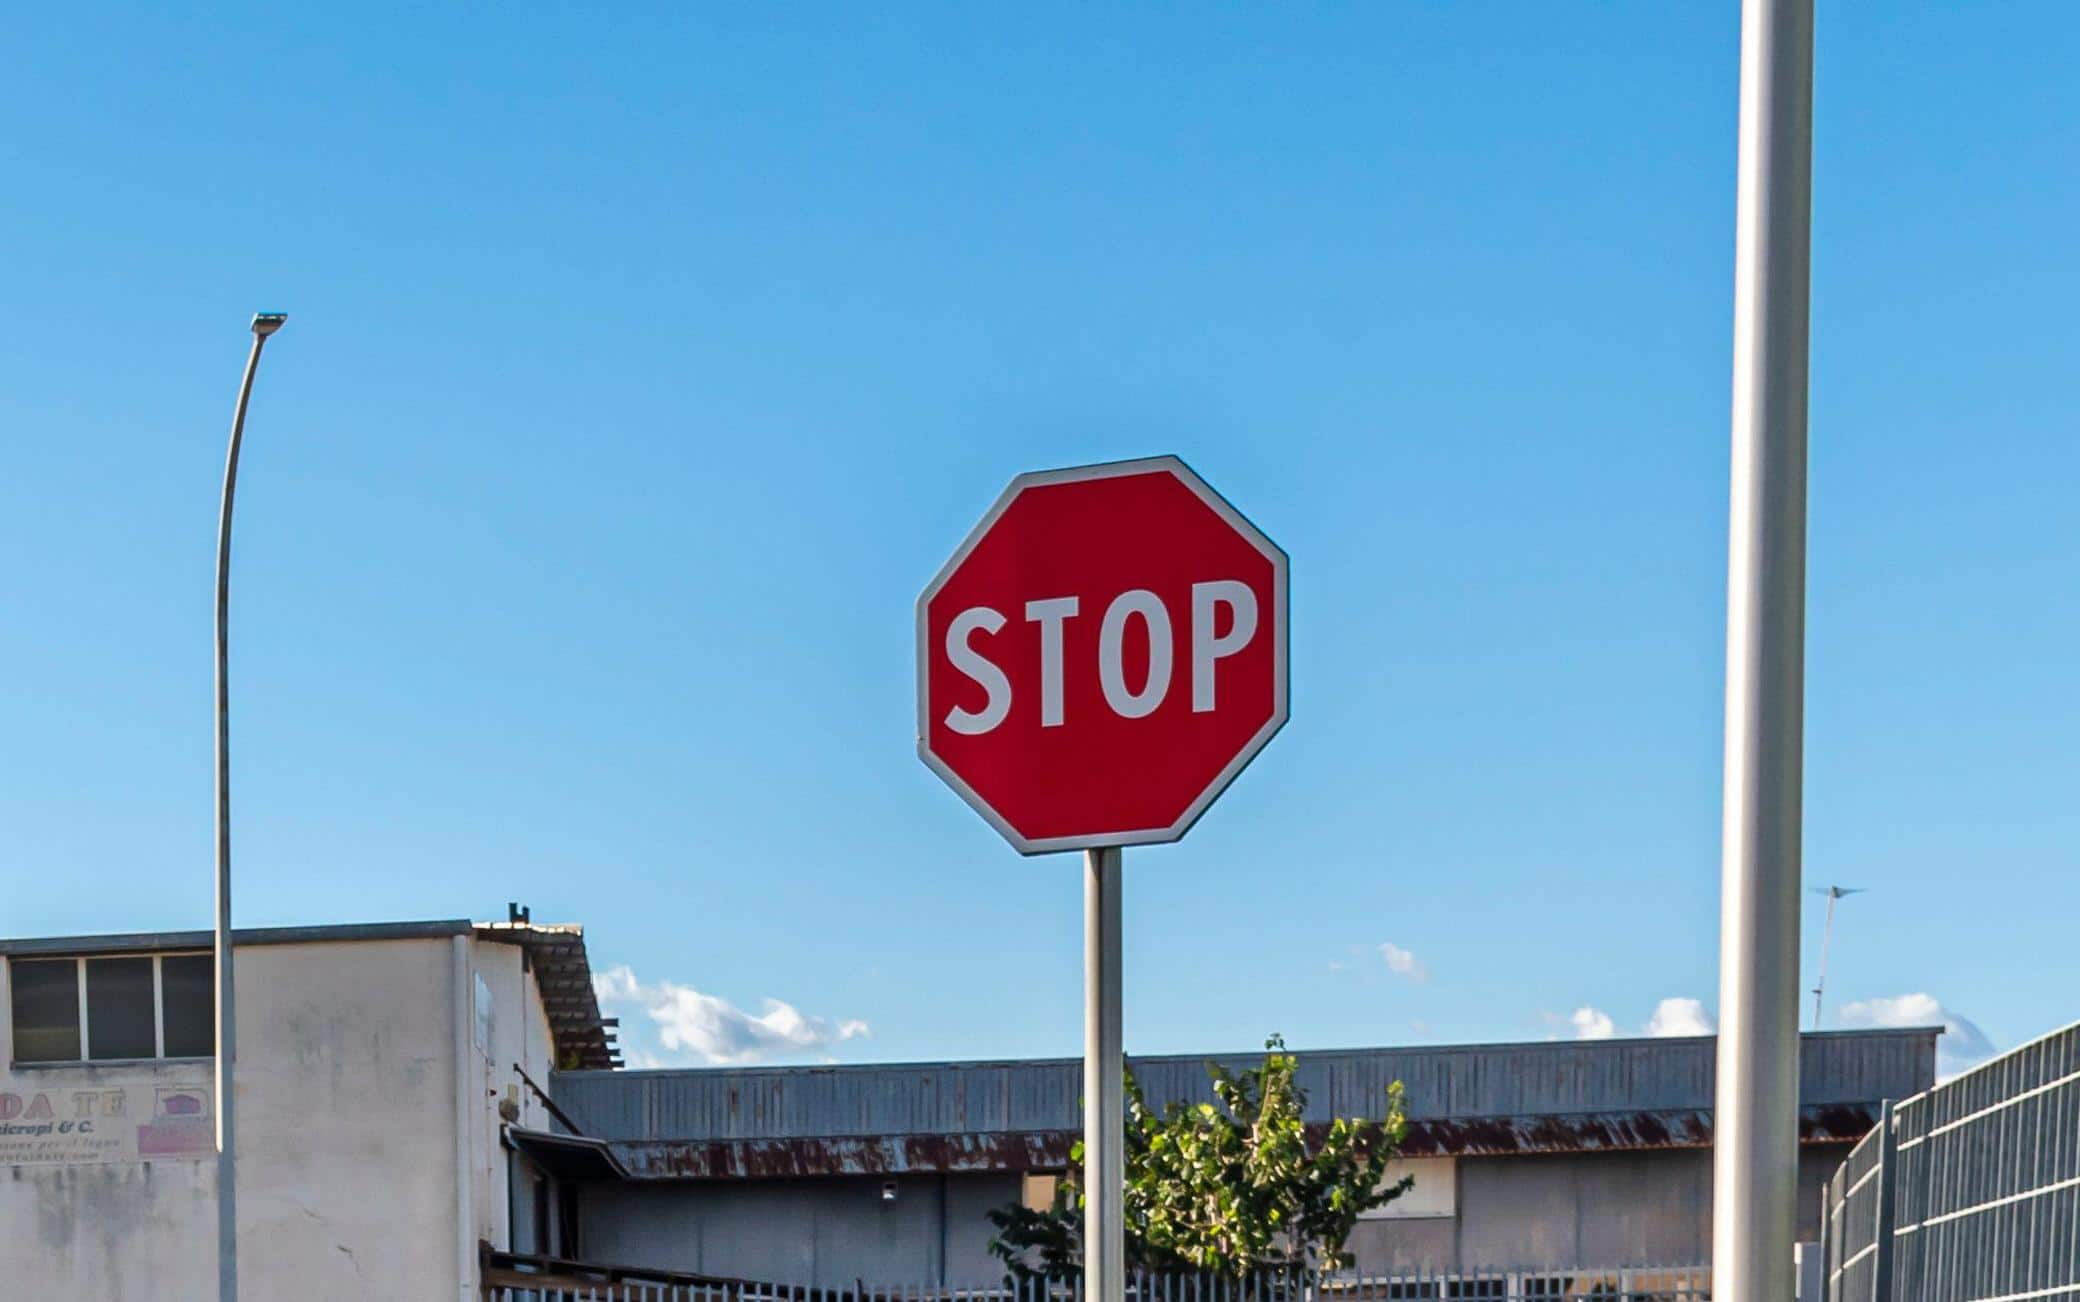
[1963,1045]
[1587,1023]
[616,983]
[1680,1016]
[1403,963]
[710,1029]
[1673,1016]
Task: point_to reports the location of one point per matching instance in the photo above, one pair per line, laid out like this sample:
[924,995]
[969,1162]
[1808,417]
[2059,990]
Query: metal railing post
[1826,1237]
[1887,1191]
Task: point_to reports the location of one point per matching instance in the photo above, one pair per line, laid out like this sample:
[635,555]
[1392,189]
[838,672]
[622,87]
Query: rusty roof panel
[1044,1150]
[1837,1123]
[858,1155]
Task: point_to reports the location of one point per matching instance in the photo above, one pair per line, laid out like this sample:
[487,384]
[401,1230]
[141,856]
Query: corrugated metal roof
[1546,1096]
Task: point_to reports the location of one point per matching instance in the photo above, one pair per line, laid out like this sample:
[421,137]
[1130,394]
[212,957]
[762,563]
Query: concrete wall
[347,1120]
[347,1092]
[1560,1210]
[1650,1208]
[812,1231]
[519,1033]
[119,1231]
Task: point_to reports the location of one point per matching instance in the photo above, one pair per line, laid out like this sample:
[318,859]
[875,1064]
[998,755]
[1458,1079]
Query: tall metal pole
[1755,1153]
[1826,943]
[1104,1091]
[1833,893]
[264,324]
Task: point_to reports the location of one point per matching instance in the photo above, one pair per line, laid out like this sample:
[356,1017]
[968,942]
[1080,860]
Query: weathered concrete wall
[1650,1208]
[813,1231]
[1585,1209]
[347,1120]
[347,1123]
[131,1231]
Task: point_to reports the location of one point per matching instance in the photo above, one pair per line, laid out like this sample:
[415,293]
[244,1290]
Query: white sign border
[1280,667]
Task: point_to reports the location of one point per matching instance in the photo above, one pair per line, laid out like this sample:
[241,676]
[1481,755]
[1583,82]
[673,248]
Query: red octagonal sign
[1102,655]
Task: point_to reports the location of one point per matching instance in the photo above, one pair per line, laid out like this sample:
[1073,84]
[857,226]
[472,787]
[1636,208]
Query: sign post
[1104,1082]
[1099,659]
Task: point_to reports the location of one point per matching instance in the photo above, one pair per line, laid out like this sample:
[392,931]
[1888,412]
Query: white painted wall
[346,1121]
[519,1034]
[347,1137]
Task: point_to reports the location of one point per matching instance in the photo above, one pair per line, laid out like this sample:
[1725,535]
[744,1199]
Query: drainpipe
[465,1247]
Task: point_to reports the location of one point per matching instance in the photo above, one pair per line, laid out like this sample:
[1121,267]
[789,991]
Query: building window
[46,1011]
[188,1004]
[121,1019]
[115,1008]
[1037,1190]
[1433,1196]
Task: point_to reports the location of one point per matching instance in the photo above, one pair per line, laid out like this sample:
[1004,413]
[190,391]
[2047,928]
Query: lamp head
[266,323]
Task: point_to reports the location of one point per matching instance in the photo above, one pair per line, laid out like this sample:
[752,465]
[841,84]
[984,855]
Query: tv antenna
[1832,893]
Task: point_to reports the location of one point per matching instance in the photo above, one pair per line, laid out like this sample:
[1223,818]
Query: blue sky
[643,365]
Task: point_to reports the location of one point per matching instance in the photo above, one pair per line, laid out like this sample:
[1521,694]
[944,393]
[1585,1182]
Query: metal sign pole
[1755,1150]
[1104,1088]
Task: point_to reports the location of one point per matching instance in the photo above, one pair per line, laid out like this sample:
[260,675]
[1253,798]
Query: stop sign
[1102,655]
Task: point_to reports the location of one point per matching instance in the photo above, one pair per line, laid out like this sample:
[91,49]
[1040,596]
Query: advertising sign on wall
[72,1126]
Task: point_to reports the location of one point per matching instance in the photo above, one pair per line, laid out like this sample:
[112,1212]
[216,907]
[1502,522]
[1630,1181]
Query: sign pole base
[1104,1084]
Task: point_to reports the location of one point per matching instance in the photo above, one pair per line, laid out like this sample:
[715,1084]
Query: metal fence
[522,1279]
[1969,1192]
[1666,1284]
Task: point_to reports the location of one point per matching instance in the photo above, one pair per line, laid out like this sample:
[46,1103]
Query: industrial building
[383,1074]
[416,1098]
[1550,1154]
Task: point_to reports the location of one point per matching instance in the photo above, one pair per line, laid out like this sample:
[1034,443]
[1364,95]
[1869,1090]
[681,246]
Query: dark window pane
[542,1242]
[119,1009]
[187,990]
[46,1009]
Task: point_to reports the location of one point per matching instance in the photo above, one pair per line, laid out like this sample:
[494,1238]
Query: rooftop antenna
[1832,893]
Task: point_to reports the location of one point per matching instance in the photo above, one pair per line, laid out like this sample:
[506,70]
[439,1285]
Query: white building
[387,1078]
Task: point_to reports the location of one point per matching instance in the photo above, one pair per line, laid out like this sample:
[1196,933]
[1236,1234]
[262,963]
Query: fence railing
[514,1278]
[1969,1192]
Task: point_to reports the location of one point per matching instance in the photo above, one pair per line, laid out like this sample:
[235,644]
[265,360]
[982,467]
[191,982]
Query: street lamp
[264,325]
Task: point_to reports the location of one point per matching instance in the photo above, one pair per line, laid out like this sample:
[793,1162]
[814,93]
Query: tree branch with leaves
[1231,1187]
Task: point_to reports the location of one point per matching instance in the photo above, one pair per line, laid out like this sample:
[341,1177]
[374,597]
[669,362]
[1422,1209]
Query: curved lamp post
[264,324]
